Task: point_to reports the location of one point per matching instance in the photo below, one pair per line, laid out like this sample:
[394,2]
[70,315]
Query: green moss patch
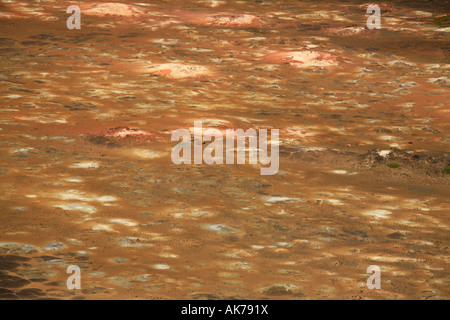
[447,169]
[393,165]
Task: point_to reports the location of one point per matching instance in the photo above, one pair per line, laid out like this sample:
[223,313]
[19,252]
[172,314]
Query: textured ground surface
[86,176]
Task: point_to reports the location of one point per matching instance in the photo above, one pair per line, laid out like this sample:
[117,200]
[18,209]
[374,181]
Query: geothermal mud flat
[86,176]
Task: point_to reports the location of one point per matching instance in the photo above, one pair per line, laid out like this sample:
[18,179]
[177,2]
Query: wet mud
[86,176]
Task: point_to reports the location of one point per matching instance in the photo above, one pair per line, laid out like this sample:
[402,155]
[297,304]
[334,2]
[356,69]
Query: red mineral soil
[238,20]
[176,70]
[123,132]
[303,59]
[87,179]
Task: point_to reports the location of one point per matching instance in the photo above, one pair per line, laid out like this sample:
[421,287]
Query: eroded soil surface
[86,176]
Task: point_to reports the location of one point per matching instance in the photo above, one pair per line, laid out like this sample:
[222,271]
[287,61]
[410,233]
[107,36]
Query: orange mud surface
[86,176]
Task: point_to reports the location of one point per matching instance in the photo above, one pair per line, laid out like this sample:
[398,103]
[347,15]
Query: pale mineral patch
[125,222]
[114,9]
[195,213]
[177,70]
[226,20]
[147,154]
[280,199]
[77,206]
[75,180]
[87,164]
[339,172]
[103,227]
[123,132]
[377,214]
[384,153]
[220,228]
[161,266]
[257,247]
[77,195]
[334,202]
[303,59]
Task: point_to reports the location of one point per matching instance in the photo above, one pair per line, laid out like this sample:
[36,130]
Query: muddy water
[348,102]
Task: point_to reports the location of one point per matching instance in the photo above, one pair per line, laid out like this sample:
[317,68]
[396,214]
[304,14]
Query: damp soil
[86,176]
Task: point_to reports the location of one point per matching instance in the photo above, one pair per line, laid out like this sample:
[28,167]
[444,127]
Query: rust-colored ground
[86,176]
